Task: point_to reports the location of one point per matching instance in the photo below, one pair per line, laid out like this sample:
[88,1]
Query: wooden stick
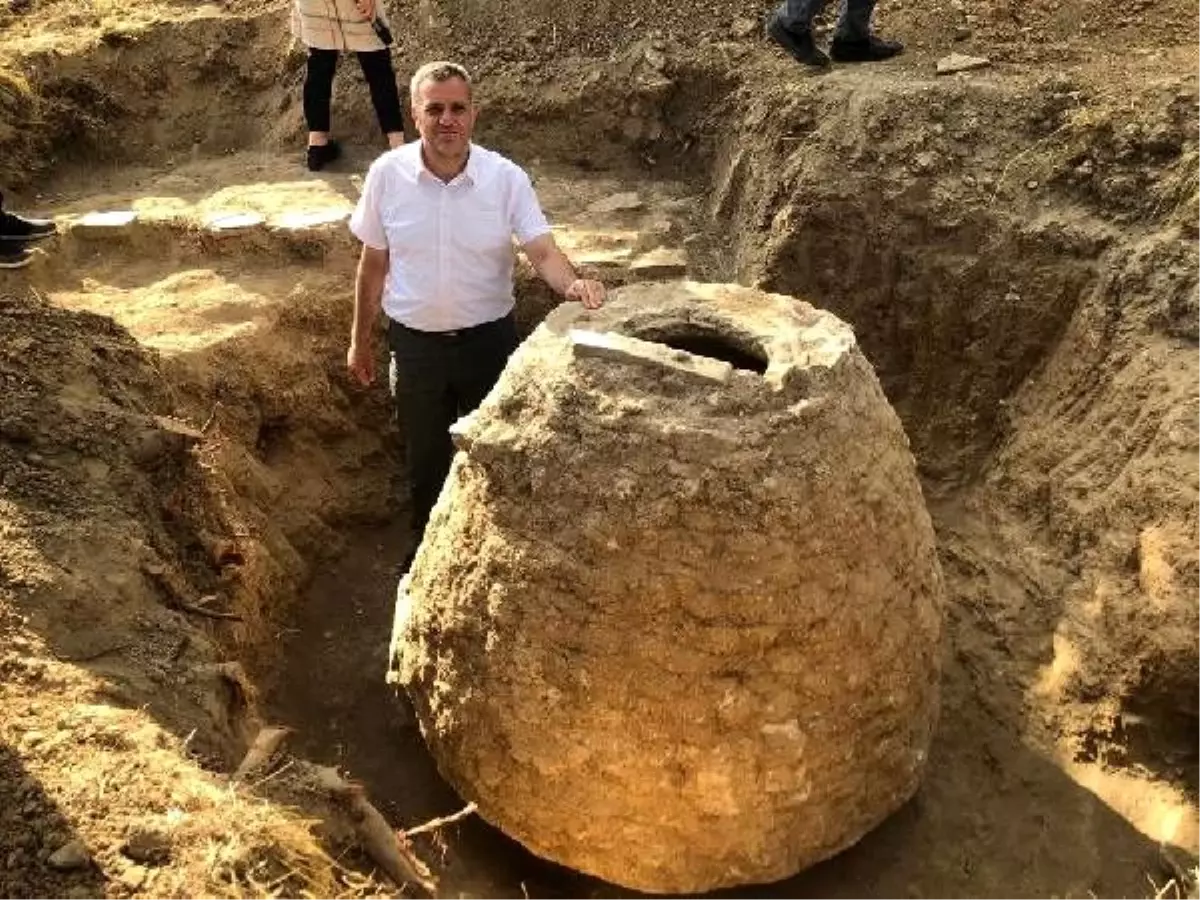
[88,657]
[434,824]
[205,611]
[266,742]
[211,613]
[382,844]
[212,418]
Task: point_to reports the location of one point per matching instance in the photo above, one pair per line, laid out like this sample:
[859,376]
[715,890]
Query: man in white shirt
[436,219]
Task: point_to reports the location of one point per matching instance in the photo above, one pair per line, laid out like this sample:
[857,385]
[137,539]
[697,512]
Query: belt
[452,334]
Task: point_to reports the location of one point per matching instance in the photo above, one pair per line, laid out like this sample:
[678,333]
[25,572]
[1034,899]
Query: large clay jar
[675,620]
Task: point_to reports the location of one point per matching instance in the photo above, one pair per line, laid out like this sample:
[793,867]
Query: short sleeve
[365,222]
[528,221]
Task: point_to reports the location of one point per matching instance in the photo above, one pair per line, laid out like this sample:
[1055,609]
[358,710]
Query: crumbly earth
[1015,249]
[115,705]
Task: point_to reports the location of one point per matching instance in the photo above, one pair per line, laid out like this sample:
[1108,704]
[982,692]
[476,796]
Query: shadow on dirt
[40,854]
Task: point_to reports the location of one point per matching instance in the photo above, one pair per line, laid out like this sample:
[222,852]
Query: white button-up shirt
[449,245]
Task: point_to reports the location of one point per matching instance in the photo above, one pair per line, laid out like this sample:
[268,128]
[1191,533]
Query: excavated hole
[327,679]
[320,657]
[1161,721]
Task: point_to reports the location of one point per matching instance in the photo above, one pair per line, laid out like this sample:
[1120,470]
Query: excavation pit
[206,456]
[291,484]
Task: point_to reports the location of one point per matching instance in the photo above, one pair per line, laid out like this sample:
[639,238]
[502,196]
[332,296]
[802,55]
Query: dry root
[435,824]
[258,757]
[390,850]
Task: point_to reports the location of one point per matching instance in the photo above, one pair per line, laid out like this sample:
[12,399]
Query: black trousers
[381,81]
[437,378]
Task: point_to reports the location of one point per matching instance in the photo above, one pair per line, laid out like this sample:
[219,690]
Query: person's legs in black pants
[318,96]
[480,359]
[439,379]
[318,88]
[426,409]
[385,96]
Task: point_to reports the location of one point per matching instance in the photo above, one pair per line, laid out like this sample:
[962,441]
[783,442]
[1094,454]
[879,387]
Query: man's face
[445,116]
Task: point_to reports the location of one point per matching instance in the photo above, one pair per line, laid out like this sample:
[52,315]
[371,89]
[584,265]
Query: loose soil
[178,441]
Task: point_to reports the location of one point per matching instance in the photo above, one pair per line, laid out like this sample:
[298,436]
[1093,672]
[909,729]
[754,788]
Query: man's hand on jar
[588,291]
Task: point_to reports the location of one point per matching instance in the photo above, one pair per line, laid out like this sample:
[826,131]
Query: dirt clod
[147,843]
[133,878]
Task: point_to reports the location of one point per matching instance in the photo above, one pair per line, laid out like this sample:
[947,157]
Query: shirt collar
[469,175]
[472,169]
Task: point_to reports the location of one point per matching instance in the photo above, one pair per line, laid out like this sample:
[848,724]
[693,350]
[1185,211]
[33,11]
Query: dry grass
[71,21]
[14,87]
[222,840]
[270,853]
[18,102]
[1184,885]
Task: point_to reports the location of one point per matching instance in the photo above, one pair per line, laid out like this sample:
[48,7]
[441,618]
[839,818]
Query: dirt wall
[112,91]
[1019,262]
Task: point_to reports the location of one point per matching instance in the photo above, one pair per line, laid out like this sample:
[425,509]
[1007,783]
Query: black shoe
[798,43]
[871,49]
[14,258]
[19,228]
[319,156]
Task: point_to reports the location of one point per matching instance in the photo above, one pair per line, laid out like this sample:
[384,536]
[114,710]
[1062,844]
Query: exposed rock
[641,128]
[232,222]
[164,438]
[317,218]
[71,855]
[655,58]
[662,262]
[655,234]
[626,201]
[147,843]
[743,28]
[114,220]
[959,62]
[644,632]
[605,264]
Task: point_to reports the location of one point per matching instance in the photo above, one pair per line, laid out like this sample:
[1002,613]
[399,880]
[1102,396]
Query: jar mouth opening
[703,339]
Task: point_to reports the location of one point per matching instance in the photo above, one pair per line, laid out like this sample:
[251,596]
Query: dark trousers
[436,379]
[381,81]
[854,21]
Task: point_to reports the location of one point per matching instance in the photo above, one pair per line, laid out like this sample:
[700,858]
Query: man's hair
[437,71]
